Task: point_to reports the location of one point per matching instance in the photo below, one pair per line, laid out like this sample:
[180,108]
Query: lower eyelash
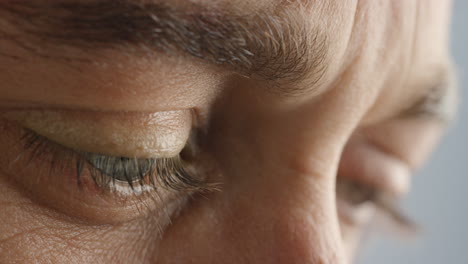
[119,174]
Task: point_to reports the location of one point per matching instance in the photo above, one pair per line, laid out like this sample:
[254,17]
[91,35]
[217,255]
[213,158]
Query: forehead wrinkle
[277,46]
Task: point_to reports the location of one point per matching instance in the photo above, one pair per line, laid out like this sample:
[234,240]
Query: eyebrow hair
[275,46]
[439,100]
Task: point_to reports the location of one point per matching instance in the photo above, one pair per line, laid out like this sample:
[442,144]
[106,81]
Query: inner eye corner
[191,149]
[187,154]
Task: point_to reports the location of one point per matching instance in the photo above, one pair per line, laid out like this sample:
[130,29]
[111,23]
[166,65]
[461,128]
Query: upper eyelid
[144,135]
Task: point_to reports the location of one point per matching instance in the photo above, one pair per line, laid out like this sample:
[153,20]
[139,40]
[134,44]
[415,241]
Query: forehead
[382,44]
[410,40]
[392,51]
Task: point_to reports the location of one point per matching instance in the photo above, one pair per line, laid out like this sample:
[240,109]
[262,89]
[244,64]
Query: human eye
[114,174]
[88,181]
[380,157]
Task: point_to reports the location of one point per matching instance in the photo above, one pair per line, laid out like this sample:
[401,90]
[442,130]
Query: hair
[279,45]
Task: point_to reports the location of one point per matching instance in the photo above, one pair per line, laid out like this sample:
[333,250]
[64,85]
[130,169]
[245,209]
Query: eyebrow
[274,46]
[439,101]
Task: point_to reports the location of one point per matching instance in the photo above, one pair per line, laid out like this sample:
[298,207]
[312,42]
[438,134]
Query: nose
[265,214]
[284,216]
[277,203]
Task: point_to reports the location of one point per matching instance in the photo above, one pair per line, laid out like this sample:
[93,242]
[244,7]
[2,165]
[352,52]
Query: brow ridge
[270,46]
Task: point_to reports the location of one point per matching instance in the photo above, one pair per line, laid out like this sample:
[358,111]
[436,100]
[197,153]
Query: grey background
[439,197]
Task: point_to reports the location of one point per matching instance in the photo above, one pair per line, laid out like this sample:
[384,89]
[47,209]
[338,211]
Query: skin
[277,156]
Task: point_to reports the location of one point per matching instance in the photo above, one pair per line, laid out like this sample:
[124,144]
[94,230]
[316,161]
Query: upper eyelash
[170,173]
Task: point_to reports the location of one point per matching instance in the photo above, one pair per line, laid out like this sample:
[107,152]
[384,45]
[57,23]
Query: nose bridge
[282,216]
[279,233]
[278,167]
[260,222]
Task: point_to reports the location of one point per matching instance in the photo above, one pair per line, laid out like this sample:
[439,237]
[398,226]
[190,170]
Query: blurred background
[439,196]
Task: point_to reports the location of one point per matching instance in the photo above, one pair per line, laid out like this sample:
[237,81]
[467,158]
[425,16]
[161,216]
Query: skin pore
[301,95]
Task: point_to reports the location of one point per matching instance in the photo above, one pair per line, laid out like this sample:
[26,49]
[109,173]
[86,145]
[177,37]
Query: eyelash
[110,173]
[356,193]
[173,173]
